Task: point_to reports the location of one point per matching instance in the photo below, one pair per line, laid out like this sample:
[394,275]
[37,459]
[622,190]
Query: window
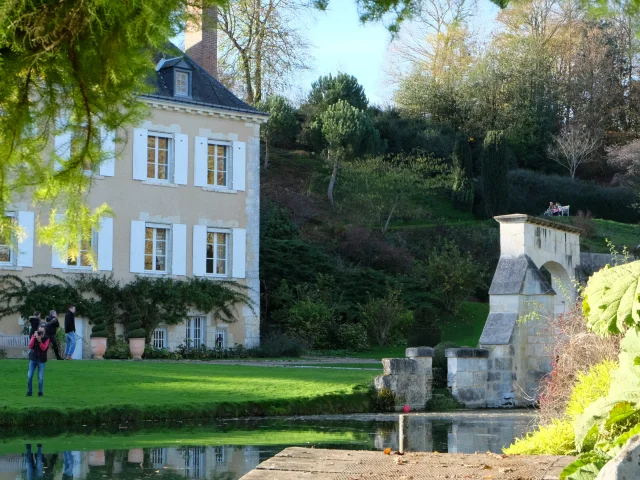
[159,149]
[194,463]
[156,239]
[82,260]
[182,83]
[217,252]
[195,332]
[218,453]
[159,339]
[78,140]
[217,163]
[6,242]
[220,339]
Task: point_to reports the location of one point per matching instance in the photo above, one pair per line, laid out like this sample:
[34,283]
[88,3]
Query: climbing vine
[139,305]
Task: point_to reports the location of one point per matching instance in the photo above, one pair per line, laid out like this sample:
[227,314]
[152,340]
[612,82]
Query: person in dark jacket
[51,328]
[70,331]
[34,321]
[38,345]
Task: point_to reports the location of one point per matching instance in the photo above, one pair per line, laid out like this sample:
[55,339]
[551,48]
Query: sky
[342,44]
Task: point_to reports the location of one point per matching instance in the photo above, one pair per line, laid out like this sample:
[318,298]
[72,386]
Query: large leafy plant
[611,305]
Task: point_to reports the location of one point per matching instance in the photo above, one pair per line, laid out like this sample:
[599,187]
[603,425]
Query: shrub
[3,354]
[585,222]
[353,336]
[386,319]
[495,170]
[384,401]
[118,350]
[442,401]
[275,346]
[312,320]
[439,364]
[531,192]
[99,329]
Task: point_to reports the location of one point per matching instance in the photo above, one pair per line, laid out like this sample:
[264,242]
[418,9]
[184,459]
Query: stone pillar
[467,377]
[409,378]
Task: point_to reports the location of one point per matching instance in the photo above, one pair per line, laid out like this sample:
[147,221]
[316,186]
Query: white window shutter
[200,162]
[59,259]
[239,166]
[105,245]
[62,141]
[136,252]
[26,223]
[179,249]
[239,252]
[199,250]
[108,165]
[140,153]
[181,158]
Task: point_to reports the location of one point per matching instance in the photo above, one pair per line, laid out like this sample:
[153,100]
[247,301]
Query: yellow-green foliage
[589,387]
[558,438]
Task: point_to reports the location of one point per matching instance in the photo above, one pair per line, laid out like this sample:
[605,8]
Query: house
[185,194]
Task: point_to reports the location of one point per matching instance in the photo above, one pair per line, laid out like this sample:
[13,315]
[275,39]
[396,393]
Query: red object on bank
[406,409]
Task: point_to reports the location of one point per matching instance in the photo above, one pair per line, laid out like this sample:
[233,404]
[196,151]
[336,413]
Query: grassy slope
[466,327]
[153,387]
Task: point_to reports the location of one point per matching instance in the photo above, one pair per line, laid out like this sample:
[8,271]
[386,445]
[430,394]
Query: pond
[229,449]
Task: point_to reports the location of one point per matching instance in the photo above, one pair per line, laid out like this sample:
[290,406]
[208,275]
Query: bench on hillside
[563,212]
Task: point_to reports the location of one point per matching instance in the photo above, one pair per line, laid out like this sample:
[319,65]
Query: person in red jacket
[38,345]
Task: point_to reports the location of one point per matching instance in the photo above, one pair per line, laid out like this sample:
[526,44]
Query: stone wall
[467,375]
[408,378]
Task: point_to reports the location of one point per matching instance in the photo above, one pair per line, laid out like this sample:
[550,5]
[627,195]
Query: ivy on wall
[139,305]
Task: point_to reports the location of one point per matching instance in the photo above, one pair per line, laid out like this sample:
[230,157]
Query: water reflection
[461,433]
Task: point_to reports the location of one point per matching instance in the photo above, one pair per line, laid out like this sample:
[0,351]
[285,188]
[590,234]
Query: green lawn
[96,386]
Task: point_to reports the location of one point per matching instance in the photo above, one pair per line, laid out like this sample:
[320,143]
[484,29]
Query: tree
[626,159]
[572,147]
[282,125]
[463,188]
[495,169]
[347,131]
[386,318]
[261,48]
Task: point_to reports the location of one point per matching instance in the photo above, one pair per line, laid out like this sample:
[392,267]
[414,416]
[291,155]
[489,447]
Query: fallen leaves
[387,451]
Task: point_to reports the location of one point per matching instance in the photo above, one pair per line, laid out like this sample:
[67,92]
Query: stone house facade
[184,186]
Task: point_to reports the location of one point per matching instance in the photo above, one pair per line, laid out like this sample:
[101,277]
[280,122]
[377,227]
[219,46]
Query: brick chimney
[201,39]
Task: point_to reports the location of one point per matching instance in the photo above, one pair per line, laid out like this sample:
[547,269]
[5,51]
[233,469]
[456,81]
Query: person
[34,321]
[68,464]
[549,210]
[38,346]
[70,331]
[34,468]
[51,329]
[556,210]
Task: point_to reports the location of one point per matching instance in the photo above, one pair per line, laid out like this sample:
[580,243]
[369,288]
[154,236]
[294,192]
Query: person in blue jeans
[69,462]
[70,331]
[38,346]
[34,469]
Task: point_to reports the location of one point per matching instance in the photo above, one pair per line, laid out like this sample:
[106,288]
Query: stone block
[423,364]
[480,379]
[532,363]
[386,381]
[532,339]
[466,353]
[626,465]
[506,376]
[503,363]
[471,397]
[399,366]
[493,376]
[419,352]
[463,379]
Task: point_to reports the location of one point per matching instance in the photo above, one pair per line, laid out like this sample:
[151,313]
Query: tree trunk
[393,209]
[257,74]
[266,153]
[246,67]
[332,182]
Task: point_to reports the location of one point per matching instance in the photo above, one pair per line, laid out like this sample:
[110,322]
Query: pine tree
[495,169]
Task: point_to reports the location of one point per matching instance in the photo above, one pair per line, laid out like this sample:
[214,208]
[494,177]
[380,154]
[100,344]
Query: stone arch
[562,285]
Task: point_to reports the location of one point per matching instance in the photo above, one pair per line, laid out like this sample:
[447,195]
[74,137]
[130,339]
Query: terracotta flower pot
[136,455]
[96,459]
[98,347]
[136,346]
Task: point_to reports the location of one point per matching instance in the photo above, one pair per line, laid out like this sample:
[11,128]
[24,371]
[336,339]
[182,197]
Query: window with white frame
[6,241]
[217,254]
[159,338]
[194,462]
[82,260]
[156,241]
[182,83]
[217,165]
[159,149]
[221,340]
[218,453]
[195,332]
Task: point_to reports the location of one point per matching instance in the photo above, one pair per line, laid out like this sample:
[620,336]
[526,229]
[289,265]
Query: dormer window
[182,83]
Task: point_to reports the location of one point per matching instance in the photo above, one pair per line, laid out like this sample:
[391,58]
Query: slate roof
[519,275]
[498,329]
[205,89]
